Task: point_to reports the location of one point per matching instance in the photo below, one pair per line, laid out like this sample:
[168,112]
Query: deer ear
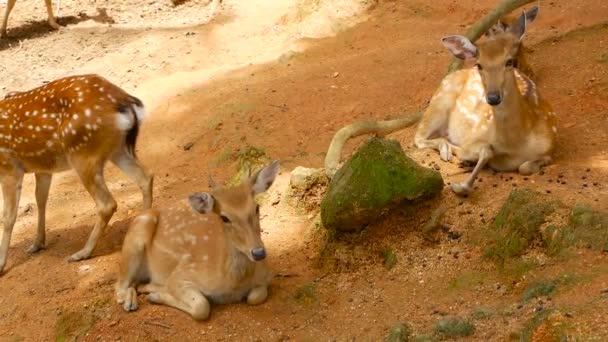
[202,202]
[531,14]
[265,177]
[461,47]
[519,28]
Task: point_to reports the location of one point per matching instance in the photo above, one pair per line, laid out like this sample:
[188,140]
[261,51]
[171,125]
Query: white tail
[78,123]
[491,114]
[206,249]
[9,7]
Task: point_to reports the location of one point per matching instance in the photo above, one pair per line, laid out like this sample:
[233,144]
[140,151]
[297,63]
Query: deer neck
[237,265]
[510,114]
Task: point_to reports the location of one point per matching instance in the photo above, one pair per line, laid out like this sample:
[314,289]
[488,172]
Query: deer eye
[225,219]
[510,62]
[478,66]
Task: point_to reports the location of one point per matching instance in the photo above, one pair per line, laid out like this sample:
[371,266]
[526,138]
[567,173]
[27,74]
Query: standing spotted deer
[78,123]
[206,249]
[9,7]
[490,114]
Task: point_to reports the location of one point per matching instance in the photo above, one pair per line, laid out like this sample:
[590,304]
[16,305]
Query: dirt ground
[283,76]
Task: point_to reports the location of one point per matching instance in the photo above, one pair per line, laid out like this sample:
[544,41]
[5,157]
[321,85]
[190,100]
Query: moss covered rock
[378,177]
[401,332]
[518,223]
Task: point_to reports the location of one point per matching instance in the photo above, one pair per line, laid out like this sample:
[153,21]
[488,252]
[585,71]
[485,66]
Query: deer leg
[464,188]
[534,166]
[43,184]
[133,256]
[11,191]
[182,297]
[138,173]
[91,175]
[257,295]
[51,16]
[9,7]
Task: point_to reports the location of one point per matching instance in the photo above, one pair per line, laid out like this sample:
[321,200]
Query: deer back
[81,114]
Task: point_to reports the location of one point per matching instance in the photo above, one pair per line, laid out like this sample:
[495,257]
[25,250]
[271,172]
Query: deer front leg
[534,166]
[183,297]
[445,148]
[11,191]
[464,188]
[91,176]
[51,17]
[257,295]
[9,7]
[43,184]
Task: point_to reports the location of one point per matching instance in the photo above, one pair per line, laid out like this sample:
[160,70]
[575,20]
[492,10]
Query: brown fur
[199,252]
[79,123]
[518,133]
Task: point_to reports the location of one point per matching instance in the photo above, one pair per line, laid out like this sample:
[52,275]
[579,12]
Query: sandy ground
[250,74]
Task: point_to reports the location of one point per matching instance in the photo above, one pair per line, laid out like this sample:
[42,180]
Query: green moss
[539,289]
[389,257]
[250,160]
[518,223]
[467,280]
[454,327]
[589,227]
[306,294]
[424,338]
[401,332]
[554,327]
[378,177]
[481,313]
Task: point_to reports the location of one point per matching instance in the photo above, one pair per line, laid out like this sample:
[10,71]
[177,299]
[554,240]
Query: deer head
[495,58]
[239,212]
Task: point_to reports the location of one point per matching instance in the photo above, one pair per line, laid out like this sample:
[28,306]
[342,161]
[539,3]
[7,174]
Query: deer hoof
[130,300]
[461,189]
[79,256]
[445,152]
[35,248]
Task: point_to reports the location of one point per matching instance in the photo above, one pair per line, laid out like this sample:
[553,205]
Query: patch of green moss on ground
[400,332]
[306,294]
[389,257]
[454,327]
[590,227]
[518,223]
[482,313]
[554,327]
[539,289]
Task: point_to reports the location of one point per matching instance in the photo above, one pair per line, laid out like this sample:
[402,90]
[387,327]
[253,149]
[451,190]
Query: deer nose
[258,254]
[493,98]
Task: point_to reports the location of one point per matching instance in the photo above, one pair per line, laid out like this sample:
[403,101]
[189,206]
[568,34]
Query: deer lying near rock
[78,123]
[206,249]
[490,114]
[9,7]
[519,60]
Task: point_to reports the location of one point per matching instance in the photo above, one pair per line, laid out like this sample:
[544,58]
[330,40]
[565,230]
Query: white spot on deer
[38,128]
[55,135]
[87,126]
[87,112]
[205,257]
[101,89]
[73,132]
[206,237]
[75,116]
[554,129]
[49,143]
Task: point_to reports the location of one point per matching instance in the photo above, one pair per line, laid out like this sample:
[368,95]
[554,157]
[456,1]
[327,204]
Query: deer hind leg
[43,184]
[51,17]
[434,122]
[9,7]
[184,297]
[132,265]
[11,191]
[130,165]
[91,175]
[257,295]
[464,188]
[533,166]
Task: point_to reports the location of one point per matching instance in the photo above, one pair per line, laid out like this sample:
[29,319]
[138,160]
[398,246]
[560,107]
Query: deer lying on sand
[206,249]
[490,114]
[9,7]
[79,123]
[519,60]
